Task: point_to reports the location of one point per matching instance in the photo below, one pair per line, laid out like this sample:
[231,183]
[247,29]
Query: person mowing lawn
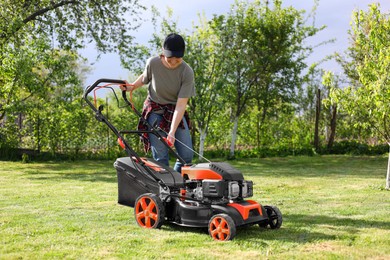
[170,85]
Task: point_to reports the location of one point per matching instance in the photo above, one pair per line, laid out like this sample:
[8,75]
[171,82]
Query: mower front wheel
[149,211]
[222,227]
[275,218]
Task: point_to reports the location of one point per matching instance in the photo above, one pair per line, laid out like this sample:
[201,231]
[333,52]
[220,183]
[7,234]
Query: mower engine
[216,183]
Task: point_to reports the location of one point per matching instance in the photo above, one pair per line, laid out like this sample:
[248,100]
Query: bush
[25,158]
[355,148]
[343,147]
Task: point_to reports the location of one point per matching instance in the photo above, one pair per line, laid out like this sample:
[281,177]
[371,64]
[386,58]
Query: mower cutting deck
[212,195]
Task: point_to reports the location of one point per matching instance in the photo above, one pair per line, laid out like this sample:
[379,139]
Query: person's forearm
[178,115]
[138,82]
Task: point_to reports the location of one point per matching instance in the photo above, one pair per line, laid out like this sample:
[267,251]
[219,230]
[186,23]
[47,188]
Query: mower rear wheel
[149,211]
[275,218]
[222,227]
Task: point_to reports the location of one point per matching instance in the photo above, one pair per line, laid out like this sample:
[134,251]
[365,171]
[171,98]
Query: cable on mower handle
[89,89]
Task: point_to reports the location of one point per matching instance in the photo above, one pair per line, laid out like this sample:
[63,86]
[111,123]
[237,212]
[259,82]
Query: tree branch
[47,9]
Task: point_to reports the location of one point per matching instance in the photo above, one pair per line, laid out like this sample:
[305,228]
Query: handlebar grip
[168,142]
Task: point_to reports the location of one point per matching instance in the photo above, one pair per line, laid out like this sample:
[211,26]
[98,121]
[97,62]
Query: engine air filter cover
[214,188]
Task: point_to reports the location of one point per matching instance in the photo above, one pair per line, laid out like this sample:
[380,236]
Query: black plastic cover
[133,180]
[227,171]
[215,188]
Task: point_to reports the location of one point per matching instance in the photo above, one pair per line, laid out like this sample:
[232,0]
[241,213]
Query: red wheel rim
[146,212]
[219,229]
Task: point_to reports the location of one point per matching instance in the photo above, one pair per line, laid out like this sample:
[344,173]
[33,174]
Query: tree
[307,105]
[203,55]
[54,118]
[71,23]
[279,58]
[263,51]
[233,49]
[28,29]
[40,73]
[367,64]
[331,81]
[317,120]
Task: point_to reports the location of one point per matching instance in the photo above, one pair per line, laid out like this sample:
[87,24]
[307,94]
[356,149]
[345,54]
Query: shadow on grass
[92,171]
[94,177]
[316,166]
[299,229]
[335,221]
[255,233]
[183,229]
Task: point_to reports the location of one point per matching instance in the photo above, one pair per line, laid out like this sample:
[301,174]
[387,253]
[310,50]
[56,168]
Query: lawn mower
[210,195]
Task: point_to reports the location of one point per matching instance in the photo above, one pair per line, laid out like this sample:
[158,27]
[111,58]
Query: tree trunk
[20,126]
[258,127]
[317,122]
[39,133]
[388,172]
[202,139]
[234,137]
[332,126]
[193,135]
[108,129]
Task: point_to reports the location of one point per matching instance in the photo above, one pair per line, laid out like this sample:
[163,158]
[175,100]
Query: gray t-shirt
[167,85]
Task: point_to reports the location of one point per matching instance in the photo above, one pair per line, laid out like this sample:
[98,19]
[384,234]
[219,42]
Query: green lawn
[334,207]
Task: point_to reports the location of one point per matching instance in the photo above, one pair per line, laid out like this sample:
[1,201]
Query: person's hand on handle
[171,139]
[169,143]
[127,86]
[177,117]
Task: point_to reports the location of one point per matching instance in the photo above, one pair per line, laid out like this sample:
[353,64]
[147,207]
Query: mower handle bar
[89,89]
[94,85]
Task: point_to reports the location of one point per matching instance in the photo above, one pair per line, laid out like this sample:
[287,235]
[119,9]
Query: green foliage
[74,23]
[25,158]
[39,39]
[263,54]
[367,65]
[203,55]
[40,72]
[356,148]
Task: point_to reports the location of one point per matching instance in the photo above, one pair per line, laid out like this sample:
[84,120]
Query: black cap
[174,46]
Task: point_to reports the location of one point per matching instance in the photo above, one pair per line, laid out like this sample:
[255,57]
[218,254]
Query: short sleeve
[147,74]
[187,89]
